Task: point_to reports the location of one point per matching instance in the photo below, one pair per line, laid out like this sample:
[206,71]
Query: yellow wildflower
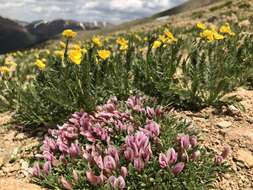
[211,35]
[218,36]
[201,26]
[69,33]
[156,44]
[145,39]
[169,35]
[4,69]
[84,51]
[163,38]
[104,54]
[97,41]
[59,53]
[225,29]
[75,56]
[40,64]
[123,43]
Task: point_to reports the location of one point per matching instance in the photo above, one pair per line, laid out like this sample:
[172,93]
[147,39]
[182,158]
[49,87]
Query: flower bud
[93,179]
[66,184]
[47,167]
[163,161]
[123,172]
[193,141]
[178,168]
[218,160]
[225,152]
[36,170]
[171,156]
[138,164]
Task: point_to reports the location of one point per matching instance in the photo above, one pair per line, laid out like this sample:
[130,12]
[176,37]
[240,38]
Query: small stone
[245,157]
[233,110]
[24,165]
[224,124]
[20,136]
[244,24]
[227,176]
[250,120]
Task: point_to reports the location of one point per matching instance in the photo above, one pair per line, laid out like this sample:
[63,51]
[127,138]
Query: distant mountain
[15,35]
[44,30]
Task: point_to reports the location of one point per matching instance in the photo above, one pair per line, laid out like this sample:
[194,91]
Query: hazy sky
[114,11]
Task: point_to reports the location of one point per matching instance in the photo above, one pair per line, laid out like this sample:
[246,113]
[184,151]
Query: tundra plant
[129,145]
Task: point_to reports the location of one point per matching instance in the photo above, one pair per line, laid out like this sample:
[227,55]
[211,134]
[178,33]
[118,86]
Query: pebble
[224,124]
[245,157]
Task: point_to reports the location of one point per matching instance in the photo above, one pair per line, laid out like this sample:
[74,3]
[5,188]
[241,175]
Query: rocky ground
[228,127]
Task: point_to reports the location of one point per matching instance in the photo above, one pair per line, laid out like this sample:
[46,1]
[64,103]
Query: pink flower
[117,183]
[171,156]
[159,111]
[36,170]
[93,179]
[74,150]
[88,135]
[150,112]
[121,182]
[153,128]
[66,184]
[47,167]
[225,152]
[184,141]
[163,161]
[129,154]
[112,151]
[99,161]
[178,168]
[138,164]
[109,163]
[50,143]
[193,141]
[123,172]
[218,160]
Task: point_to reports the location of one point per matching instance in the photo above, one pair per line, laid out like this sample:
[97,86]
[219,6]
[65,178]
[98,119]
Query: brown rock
[245,157]
[224,124]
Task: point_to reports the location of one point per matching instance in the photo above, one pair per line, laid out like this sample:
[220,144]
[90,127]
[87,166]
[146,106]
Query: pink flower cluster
[99,127]
[110,140]
[175,160]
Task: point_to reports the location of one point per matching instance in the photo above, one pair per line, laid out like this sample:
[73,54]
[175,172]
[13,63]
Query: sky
[114,11]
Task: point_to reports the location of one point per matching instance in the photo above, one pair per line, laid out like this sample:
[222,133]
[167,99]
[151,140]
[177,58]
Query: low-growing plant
[125,146]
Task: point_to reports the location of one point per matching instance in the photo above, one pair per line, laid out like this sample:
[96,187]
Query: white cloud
[88,10]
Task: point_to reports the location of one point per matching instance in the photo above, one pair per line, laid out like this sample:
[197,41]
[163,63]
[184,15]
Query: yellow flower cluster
[201,26]
[123,44]
[69,33]
[40,64]
[75,56]
[166,38]
[97,41]
[4,69]
[225,29]
[59,53]
[212,34]
[104,54]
